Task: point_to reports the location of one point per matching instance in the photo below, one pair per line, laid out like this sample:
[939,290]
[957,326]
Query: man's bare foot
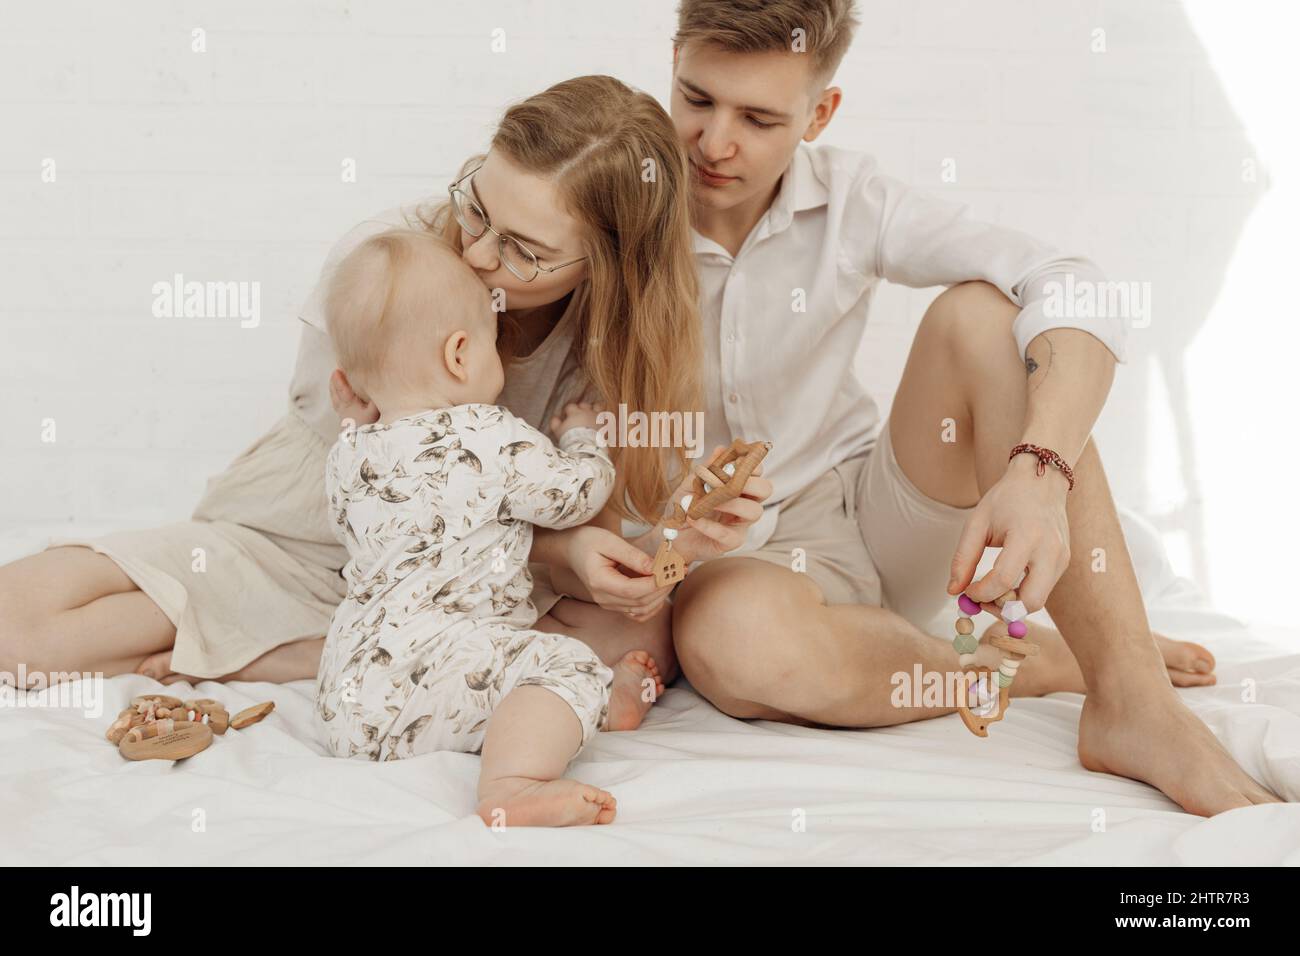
[523,802]
[1189,665]
[1143,731]
[636,687]
[1054,668]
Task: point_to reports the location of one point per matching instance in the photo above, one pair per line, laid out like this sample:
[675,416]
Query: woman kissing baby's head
[413,327]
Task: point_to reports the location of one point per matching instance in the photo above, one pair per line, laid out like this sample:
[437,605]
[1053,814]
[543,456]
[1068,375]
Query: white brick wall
[225,165]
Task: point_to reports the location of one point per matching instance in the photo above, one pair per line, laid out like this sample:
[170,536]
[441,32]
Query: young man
[900,514]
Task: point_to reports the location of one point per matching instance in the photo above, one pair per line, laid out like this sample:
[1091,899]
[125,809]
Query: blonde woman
[577,220]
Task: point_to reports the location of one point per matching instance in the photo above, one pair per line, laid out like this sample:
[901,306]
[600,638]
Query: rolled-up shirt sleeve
[924,240]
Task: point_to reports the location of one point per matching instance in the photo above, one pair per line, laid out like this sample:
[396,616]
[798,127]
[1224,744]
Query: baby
[433,647]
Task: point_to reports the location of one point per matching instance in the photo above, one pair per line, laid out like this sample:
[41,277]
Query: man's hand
[705,538]
[348,404]
[1024,515]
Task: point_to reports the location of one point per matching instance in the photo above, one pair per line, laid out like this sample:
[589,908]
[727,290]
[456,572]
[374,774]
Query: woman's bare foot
[298,660]
[523,802]
[1142,730]
[636,687]
[1054,668]
[159,667]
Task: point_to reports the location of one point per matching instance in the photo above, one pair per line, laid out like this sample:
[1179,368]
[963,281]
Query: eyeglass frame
[454,189]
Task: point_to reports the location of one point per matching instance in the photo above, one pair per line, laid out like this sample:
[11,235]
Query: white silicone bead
[1014,611]
[966,659]
[670,533]
[982,700]
[729,468]
[686,502]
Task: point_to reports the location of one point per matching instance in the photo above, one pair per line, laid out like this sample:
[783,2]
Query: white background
[226,166]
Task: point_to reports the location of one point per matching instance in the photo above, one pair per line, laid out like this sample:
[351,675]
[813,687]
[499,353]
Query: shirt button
[733,398]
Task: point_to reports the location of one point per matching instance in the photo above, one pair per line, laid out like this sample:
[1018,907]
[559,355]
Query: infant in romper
[433,647]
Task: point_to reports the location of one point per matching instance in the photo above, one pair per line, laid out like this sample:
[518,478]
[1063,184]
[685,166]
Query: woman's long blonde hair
[614,156]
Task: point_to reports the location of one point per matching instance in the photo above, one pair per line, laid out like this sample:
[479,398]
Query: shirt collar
[801,189]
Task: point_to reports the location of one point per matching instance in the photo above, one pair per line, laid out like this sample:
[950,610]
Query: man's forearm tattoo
[1032,364]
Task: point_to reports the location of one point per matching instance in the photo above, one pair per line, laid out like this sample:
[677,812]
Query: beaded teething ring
[977,704]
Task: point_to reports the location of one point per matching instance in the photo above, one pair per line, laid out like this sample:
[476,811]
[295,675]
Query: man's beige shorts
[869,536]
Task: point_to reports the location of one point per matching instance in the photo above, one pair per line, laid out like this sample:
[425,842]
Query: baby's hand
[576,415]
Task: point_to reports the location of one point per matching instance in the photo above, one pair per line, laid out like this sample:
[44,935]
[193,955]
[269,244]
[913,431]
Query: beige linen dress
[257,565]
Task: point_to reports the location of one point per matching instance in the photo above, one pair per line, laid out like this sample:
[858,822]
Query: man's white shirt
[782,320]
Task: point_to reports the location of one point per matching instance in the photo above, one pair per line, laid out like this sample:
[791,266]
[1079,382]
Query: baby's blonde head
[393,301]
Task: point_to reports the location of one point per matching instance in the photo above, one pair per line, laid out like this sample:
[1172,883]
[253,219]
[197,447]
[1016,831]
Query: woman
[577,220]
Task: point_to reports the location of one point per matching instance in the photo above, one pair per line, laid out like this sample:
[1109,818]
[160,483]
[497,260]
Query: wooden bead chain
[160,727]
[977,704]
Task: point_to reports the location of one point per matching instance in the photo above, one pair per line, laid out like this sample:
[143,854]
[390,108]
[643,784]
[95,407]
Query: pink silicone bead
[968,607]
[1017,629]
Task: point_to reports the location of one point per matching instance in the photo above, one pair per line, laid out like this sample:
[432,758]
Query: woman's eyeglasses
[516,256]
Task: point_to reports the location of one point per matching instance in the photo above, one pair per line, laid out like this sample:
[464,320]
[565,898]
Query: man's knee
[970,316]
[970,302]
[737,626]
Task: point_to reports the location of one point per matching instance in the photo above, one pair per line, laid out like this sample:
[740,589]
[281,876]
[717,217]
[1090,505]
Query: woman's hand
[619,575]
[711,537]
[348,404]
[1024,515]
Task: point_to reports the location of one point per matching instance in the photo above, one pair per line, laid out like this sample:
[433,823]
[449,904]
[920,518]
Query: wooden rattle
[715,484]
[978,704]
[158,727]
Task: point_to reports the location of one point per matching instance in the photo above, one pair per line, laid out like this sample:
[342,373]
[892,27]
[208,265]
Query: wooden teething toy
[977,705]
[159,727]
[165,740]
[251,715]
[715,484]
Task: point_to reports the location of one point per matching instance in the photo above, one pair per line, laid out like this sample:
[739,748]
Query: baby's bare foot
[522,802]
[637,686]
[1145,732]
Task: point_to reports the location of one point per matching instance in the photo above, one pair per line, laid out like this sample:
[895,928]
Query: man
[791,628]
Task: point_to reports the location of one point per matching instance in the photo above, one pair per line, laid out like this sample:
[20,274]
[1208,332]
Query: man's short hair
[821,28]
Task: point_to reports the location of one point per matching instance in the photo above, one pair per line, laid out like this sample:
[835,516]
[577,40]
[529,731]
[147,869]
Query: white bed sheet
[693,785]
